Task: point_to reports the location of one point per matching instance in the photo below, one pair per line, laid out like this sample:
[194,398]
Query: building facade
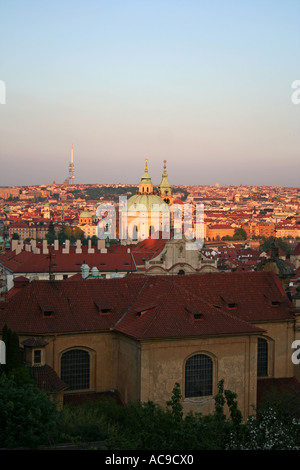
[140,335]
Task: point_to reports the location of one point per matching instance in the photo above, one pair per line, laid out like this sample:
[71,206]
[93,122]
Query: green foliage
[13,355]
[111,192]
[175,403]
[27,417]
[50,235]
[239,234]
[268,242]
[81,423]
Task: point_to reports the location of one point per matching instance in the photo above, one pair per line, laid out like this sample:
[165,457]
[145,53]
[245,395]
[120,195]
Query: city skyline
[206,86]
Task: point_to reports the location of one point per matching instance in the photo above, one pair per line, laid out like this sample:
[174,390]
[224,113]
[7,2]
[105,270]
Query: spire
[164,188]
[146,186]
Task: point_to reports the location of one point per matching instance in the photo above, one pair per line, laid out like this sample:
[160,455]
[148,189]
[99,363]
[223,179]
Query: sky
[203,84]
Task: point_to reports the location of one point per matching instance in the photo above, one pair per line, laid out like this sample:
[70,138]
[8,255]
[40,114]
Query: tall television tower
[71,169]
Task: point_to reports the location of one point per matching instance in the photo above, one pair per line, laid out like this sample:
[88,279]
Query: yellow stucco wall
[148,369]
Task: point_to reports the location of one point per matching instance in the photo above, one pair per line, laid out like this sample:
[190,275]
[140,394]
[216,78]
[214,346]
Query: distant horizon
[216,185]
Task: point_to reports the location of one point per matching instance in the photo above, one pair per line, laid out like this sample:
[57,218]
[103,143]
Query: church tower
[164,188]
[145,185]
[143,214]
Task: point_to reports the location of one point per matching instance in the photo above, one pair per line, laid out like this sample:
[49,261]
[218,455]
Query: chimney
[100,244]
[78,247]
[27,247]
[45,248]
[90,249]
[14,244]
[67,247]
[56,245]
[18,249]
[35,250]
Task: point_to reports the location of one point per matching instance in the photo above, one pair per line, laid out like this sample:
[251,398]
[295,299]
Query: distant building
[146,212]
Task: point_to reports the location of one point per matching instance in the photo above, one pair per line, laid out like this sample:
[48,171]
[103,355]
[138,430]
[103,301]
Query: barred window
[262,357]
[198,376]
[75,369]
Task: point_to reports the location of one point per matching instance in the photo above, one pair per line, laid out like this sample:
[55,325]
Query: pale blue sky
[205,85]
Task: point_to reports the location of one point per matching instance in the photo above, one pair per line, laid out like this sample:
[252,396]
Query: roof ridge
[130,306]
[157,310]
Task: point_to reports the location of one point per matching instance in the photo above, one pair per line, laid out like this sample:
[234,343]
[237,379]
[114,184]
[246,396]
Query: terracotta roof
[47,379]
[296,250]
[150,307]
[34,342]
[28,262]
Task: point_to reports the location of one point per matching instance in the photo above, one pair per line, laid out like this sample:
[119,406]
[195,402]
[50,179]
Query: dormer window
[103,308]
[273,301]
[197,316]
[105,311]
[194,312]
[230,303]
[48,313]
[142,312]
[47,309]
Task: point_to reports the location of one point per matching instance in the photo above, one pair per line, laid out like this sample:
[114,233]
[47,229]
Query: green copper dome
[85,215]
[145,202]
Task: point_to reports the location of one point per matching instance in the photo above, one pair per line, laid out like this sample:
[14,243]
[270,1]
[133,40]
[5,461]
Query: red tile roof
[29,262]
[149,307]
[296,250]
[47,379]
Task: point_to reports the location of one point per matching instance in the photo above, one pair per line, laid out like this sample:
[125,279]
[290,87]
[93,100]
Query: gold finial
[146,160]
[165,161]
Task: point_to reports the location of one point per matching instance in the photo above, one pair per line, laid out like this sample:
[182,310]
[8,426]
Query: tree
[51,236]
[27,417]
[13,355]
[15,236]
[175,403]
[268,243]
[239,234]
[61,237]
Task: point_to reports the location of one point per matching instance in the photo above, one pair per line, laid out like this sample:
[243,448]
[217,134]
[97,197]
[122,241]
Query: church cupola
[146,186]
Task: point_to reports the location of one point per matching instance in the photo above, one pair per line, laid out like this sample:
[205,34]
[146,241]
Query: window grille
[75,369]
[262,357]
[198,376]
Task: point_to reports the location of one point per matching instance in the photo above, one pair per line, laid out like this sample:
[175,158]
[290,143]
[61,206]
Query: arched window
[135,232]
[75,369]
[262,357]
[198,376]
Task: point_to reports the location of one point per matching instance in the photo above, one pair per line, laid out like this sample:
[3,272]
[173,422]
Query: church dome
[85,215]
[145,202]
